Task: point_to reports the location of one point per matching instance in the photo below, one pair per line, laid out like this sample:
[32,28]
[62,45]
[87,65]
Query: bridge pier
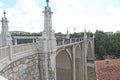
[73,66]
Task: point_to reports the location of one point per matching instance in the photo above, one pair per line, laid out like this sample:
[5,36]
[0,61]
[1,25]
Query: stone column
[73,63]
[85,55]
[15,41]
[63,41]
[49,46]
[10,54]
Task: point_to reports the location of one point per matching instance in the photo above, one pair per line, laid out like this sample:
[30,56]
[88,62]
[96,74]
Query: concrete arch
[68,52]
[78,51]
[63,66]
[90,50]
[79,63]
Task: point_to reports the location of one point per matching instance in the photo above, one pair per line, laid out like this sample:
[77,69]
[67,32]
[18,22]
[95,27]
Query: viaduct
[47,58]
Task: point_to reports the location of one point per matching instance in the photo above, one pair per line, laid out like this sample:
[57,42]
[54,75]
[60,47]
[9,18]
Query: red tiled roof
[107,71]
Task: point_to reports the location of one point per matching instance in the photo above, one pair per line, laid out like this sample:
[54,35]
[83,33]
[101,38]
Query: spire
[67,35]
[85,35]
[67,31]
[85,29]
[47,3]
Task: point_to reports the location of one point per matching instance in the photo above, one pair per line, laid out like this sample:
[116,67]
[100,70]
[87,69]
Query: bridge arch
[78,62]
[63,65]
[90,50]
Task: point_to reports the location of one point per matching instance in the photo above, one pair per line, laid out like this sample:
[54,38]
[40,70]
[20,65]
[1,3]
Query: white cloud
[112,9]
[25,15]
[1,4]
[1,11]
[67,14]
[73,14]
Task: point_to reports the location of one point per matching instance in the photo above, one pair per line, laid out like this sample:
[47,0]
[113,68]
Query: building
[109,33]
[108,69]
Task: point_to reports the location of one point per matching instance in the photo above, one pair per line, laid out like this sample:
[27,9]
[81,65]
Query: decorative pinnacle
[84,29]
[85,35]
[4,14]
[67,31]
[47,2]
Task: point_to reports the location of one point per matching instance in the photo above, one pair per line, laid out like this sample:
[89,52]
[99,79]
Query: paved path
[90,65]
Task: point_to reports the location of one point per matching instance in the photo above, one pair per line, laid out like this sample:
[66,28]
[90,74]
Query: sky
[27,15]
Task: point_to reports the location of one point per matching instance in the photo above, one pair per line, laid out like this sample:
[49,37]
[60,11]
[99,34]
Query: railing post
[79,39]
[10,54]
[70,40]
[76,39]
[63,41]
[33,41]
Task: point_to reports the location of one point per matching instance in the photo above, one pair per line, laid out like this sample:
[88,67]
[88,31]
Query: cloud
[25,15]
[112,9]
[1,4]
[67,14]
[1,13]
[73,14]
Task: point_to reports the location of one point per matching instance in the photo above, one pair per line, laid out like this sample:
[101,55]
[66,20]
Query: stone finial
[4,14]
[85,35]
[47,2]
[85,29]
[67,31]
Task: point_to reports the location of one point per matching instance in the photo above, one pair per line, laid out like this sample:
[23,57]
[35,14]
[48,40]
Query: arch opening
[89,52]
[63,66]
[79,63]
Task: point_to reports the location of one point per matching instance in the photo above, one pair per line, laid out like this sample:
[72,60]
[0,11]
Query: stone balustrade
[61,41]
[11,50]
[12,53]
[14,49]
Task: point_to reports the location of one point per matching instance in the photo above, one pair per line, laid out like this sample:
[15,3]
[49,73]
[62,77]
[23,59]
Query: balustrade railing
[14,49]
[23,47]
[4,52]
[63,41]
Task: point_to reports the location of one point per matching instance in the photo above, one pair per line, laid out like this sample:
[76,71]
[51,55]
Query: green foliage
[76,35]
[59,34]
[106,45]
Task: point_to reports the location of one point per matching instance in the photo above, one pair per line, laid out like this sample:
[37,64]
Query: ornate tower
[48,32]
[85,55]
[48,56]
[5,34]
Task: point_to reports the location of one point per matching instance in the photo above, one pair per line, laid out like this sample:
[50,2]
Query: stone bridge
[26,61]
[46,59]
